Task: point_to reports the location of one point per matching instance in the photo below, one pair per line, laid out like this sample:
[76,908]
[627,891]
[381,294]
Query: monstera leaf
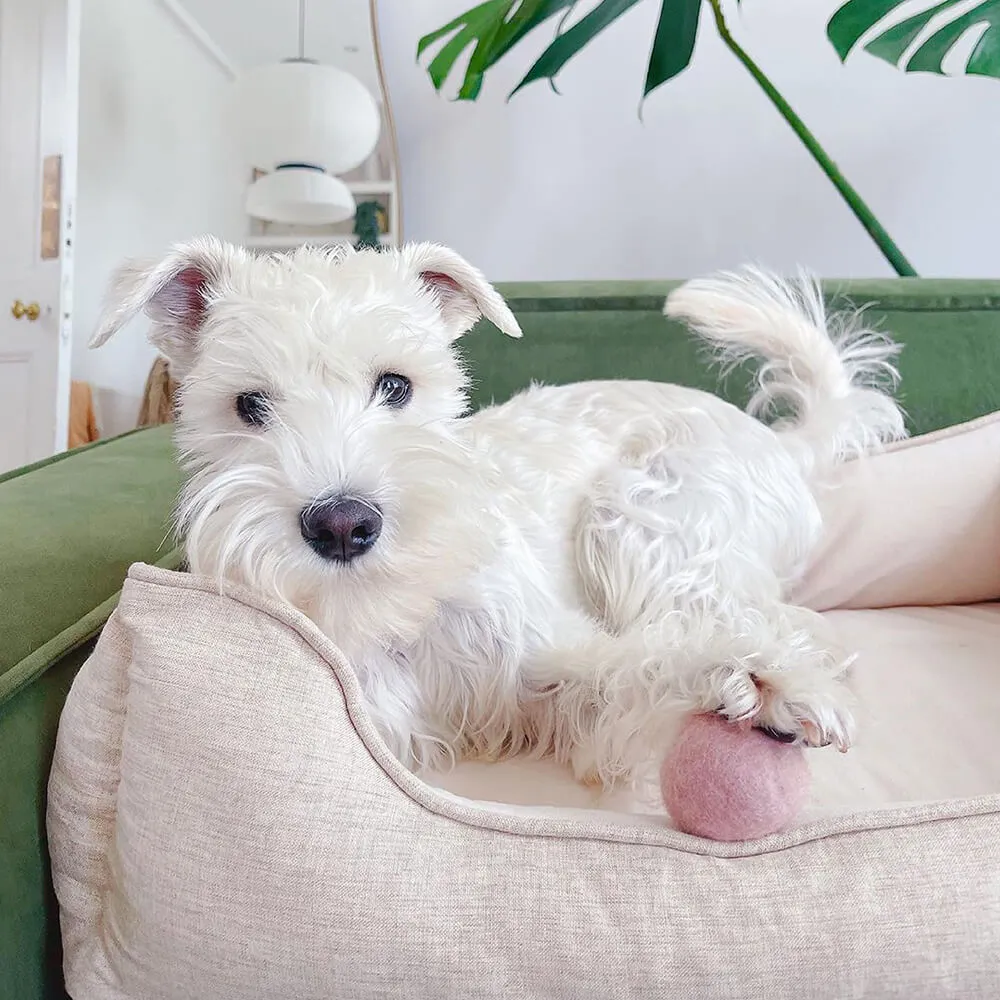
[935,30]
[495,27]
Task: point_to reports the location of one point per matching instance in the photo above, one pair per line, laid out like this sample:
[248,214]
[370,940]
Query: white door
[39,69]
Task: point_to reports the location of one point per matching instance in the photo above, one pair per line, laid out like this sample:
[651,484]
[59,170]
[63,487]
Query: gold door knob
[32,310]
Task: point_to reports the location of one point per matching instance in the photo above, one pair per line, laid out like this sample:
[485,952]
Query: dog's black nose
[341,528]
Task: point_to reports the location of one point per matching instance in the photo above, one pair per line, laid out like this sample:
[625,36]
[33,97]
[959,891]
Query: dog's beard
[241,526]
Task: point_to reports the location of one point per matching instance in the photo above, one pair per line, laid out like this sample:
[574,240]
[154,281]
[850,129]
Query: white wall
[156,165]
[576,187]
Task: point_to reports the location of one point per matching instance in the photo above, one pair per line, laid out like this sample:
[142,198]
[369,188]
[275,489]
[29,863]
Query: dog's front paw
[814,709]
[807,707]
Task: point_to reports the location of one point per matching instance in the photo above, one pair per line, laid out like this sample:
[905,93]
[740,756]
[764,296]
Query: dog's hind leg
[700,526]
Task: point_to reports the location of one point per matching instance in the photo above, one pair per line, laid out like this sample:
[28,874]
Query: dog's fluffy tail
[830,376]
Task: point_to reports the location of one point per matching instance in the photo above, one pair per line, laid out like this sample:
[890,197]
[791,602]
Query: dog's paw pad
[777,735]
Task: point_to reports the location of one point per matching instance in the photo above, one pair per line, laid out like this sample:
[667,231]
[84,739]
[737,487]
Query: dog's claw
[814,737]
[810,718]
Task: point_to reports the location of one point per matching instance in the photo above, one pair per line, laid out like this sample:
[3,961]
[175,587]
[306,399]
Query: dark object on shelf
[369,225]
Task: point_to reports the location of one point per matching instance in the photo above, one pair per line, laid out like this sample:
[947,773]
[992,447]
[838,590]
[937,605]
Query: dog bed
[224,821]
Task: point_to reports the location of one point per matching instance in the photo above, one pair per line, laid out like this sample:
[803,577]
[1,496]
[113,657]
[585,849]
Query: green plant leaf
[985,57]
[569,42]
[441,65]
[459,22]
[475,27]
[673,43]
[492,28]
[984,60]
[852,20]
[857,17]
[894,41]
[529,16]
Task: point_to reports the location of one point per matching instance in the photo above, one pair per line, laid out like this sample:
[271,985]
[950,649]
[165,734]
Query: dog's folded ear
[175,293]
[461,292]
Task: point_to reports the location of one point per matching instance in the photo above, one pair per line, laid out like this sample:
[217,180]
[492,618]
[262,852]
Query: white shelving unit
[270,236]
[361,188]
[264,237]
[377,179]
[288,241]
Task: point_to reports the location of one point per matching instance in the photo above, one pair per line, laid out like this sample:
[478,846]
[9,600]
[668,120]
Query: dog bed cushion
[916,525]
[225,822]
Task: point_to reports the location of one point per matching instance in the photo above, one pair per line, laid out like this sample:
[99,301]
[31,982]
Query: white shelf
[372,187]
[286,241]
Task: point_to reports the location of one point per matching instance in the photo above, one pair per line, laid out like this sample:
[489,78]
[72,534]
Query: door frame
[68,144]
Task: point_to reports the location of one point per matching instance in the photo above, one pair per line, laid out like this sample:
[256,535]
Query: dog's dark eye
[253,408]
[393,390]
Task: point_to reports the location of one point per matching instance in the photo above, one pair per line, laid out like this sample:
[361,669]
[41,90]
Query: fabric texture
[69,528]
[615,329]
[62,556]
[731,782]
[916,525]
[225,822]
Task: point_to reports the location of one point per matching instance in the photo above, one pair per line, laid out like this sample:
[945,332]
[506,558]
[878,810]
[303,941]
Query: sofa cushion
[70,527]
[573,331]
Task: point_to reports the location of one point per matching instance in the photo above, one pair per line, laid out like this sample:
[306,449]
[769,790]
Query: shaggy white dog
[566,574]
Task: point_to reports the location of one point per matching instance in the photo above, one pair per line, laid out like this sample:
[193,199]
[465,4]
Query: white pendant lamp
[304,122]
[301,196]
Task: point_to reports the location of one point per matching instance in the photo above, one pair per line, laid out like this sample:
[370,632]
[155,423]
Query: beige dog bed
[225,822]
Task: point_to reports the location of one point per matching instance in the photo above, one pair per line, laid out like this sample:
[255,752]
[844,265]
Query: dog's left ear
[461,292]
[175,293]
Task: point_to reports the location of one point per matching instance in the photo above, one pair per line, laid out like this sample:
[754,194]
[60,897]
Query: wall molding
[193,29]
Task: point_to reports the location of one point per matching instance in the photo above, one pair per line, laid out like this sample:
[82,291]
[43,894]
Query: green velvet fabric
[950,331]
[70,527]
[891,294]
[30,948]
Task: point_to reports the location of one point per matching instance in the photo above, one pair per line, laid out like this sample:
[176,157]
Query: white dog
[566,574]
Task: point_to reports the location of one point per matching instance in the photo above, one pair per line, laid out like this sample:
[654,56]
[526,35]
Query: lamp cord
[302,29]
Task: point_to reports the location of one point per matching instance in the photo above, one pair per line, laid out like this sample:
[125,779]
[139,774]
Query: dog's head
[318,421]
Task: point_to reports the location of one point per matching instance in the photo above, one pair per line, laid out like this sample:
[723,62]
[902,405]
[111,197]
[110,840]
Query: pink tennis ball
[727,781]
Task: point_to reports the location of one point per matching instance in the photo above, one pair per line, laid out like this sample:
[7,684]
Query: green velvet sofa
[70,526]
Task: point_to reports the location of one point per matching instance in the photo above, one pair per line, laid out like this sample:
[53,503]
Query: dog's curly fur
[565,574]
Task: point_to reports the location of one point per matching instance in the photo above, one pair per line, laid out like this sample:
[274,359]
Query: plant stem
[857,205]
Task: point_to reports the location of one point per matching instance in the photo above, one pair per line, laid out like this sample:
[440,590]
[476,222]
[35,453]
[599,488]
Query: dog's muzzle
[341,528]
